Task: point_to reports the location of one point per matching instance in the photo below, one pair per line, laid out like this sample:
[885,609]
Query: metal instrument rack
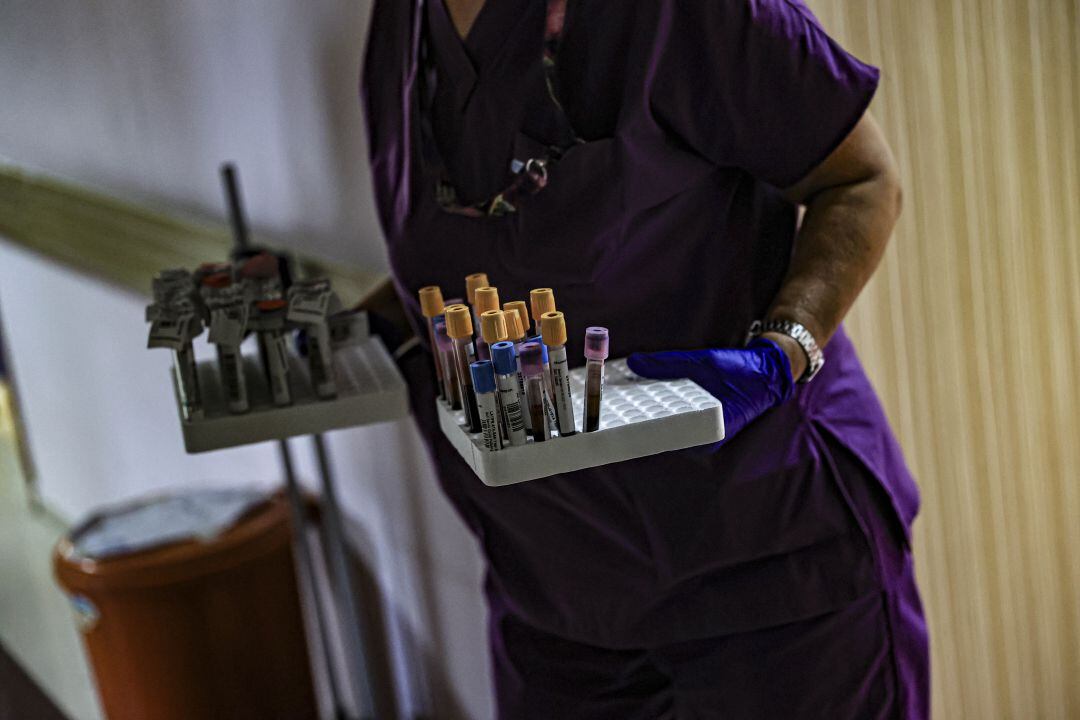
[370,390]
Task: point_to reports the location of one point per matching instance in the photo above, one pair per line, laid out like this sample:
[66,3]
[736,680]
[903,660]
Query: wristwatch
[815,359]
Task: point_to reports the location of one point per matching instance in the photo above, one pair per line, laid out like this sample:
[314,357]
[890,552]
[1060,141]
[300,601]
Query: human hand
[746,381]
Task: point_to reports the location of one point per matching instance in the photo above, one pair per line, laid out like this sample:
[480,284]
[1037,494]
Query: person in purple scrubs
[648,160]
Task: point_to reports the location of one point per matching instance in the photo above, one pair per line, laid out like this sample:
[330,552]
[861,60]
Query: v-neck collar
[469,57]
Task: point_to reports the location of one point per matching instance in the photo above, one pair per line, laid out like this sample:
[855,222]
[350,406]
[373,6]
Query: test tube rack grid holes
[369,390]
[639,417]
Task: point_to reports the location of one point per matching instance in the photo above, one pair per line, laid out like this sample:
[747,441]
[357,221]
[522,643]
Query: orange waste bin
[196,629]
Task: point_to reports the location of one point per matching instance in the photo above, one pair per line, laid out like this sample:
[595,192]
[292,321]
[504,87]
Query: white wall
[143,98]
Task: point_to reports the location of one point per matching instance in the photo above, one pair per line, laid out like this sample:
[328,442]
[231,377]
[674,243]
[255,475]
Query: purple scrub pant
[866,661]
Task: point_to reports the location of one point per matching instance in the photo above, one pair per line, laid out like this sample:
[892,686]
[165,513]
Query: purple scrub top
[665,226]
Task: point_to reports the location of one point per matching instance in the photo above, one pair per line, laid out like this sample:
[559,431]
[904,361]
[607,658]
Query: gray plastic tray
[370,390]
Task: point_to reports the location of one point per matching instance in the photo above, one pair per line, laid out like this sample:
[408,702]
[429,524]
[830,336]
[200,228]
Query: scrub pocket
[581,193]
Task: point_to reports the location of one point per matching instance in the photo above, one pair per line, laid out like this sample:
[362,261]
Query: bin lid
[168,538]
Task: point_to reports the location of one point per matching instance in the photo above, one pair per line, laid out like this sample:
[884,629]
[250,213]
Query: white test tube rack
[639,417]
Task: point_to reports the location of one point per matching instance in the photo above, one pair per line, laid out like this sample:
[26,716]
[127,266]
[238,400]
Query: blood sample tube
[549,386]
[445,356]
[492,328]
[532,365]
[271,329]
[487,404]
[504,360]
[519,308]
[541,300]
[485,299]
[229,310]
[262,272]
[174,324]
[516,335]
[309,301]
[431,306]
[185,364]
[460,328]
[472,282]
[596,351]
[553,327]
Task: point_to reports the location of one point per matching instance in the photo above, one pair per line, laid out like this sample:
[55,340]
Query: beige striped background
[971,332]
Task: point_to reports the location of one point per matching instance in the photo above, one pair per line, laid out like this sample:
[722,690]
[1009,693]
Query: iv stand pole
[334,541]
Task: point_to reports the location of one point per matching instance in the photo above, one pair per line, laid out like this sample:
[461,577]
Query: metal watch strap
[815,359]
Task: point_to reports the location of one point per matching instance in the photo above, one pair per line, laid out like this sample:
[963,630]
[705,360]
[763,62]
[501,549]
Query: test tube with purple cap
[596,352]
[532,366]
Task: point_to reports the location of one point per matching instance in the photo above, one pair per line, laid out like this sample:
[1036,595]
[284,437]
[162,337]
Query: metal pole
[231,184]
[305,559]
[341,572]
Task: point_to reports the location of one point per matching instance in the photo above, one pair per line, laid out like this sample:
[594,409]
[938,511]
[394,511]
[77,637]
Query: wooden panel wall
[971,332]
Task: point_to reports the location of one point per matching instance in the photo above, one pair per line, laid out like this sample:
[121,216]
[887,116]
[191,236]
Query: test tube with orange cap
[460,329]
[493,326]
[541,300]
[516,320]
[492,330]
[472,282]
[553,330]
[431,306]
[521,309]
[485,299]
[444,355]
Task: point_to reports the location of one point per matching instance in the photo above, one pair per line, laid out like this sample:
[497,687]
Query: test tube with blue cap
[483,380]
[548,385]
[504,360]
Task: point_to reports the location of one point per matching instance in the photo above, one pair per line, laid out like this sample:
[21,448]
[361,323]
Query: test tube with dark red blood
[596,351]
[460,329]
[445,357]
[532,366]
[431,306]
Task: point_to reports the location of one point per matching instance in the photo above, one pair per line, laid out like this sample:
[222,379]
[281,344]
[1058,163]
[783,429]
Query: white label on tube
[308,304]
[560,380]
[227,323]
[521,393]
[320,360]
[278,358]
[489,420]
[549,407]
[512,414]
[166,332]
[231,363]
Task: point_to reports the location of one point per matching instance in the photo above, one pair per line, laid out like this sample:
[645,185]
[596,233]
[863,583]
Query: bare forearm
[841,241]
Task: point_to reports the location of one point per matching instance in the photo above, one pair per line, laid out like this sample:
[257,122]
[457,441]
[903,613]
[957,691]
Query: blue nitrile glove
[746,381]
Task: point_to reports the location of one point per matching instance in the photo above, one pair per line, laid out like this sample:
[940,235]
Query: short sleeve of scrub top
[758,85]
